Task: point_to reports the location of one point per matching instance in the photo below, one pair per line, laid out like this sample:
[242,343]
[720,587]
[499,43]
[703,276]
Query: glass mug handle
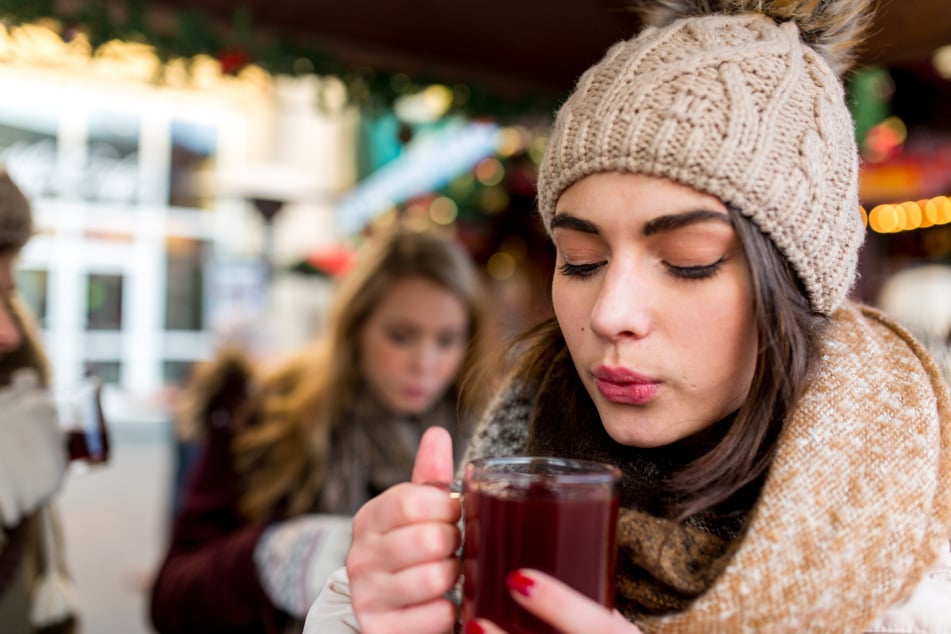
[455,491]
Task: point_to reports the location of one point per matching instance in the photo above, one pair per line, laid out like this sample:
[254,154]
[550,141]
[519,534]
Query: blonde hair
[282,457]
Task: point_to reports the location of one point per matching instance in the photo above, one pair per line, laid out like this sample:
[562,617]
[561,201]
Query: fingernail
[474,628]
[521,583]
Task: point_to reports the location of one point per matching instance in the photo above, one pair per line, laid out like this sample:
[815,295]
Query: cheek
[386,356]
[451,364]
[376,358]
[569,308]
[731,347]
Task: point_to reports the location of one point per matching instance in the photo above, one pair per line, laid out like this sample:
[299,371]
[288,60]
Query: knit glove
[295,557]
[32,448]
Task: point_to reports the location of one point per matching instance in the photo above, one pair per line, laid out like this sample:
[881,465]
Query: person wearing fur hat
[36,593]
[292,449]
[786,452]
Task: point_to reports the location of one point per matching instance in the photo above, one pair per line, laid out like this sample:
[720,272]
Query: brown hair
[301,401]
[29,354]
[788,349]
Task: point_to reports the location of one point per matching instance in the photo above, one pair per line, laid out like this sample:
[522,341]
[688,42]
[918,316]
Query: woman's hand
[558,605]
[402,560]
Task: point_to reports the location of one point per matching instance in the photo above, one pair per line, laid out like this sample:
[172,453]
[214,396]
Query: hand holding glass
[551,514]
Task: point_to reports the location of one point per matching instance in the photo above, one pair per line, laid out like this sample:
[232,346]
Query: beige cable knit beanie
[737,106]
[16,220]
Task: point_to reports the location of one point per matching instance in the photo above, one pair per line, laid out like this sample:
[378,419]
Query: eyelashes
[579,270]
[700,272]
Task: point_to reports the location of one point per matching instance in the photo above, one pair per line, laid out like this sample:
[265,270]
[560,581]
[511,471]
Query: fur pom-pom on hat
[16,219]
[833,28]
[735,99]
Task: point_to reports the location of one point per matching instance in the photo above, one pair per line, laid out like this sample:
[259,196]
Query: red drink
[83,423]
[91,448]
[550,520]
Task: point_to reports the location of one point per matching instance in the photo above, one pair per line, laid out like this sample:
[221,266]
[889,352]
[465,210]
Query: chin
[413,408]
[638,430]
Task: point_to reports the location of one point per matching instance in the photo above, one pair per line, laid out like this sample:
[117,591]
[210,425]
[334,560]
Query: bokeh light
[443,211]
[910,215]
[490,171]
[501,265]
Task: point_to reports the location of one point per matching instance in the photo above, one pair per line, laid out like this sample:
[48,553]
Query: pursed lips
[626,387]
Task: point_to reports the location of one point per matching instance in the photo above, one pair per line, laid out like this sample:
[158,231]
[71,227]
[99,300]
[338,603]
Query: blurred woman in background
[36,594]
[290,454]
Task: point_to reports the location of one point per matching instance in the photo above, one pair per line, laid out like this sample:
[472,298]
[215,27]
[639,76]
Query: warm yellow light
[511,140]
[944,210]
[929,213]
[37,45]
[425,106]
[443,211]
[501,266]
[537,147]
[921,214]
[942,61]
[901,218]
[912,215]
[883,219]
[864,216]
[898,127]
[490,171]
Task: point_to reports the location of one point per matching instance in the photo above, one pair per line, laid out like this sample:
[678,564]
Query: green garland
[237,45]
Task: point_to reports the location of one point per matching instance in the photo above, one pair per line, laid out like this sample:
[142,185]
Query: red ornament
[334,261]
[233,60]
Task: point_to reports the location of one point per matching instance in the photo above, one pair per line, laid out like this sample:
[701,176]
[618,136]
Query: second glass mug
[79,409]
[555,515]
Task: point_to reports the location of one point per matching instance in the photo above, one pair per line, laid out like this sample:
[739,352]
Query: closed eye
[701,272]
[580,270]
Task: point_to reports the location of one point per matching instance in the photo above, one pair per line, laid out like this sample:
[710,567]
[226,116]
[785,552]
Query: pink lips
[623,386]
[415,393]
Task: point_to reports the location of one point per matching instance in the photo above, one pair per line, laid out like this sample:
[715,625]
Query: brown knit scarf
[853,513]
[662,564]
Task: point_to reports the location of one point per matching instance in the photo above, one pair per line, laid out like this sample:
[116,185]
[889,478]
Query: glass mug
[79,409]
[551,514]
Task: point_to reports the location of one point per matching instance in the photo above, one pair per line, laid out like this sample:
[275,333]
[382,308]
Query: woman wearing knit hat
[786,453]
[36,594]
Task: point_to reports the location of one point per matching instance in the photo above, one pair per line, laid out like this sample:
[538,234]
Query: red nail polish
[520,583]
[473,628]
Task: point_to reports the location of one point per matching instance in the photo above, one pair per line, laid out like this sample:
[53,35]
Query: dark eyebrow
[657,225]
[564,221]
[676,221]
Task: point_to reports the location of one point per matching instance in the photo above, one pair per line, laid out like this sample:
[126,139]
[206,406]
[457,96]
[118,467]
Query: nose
[10,335]
[622,308]
[425,357]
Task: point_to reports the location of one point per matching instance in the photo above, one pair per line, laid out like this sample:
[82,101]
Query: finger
[435,617]
[481,626]
[421,584]
[566,609]
[405,547]
[434,457]
[403,505]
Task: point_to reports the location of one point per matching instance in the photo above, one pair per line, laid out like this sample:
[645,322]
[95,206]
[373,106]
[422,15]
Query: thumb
[434,457]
